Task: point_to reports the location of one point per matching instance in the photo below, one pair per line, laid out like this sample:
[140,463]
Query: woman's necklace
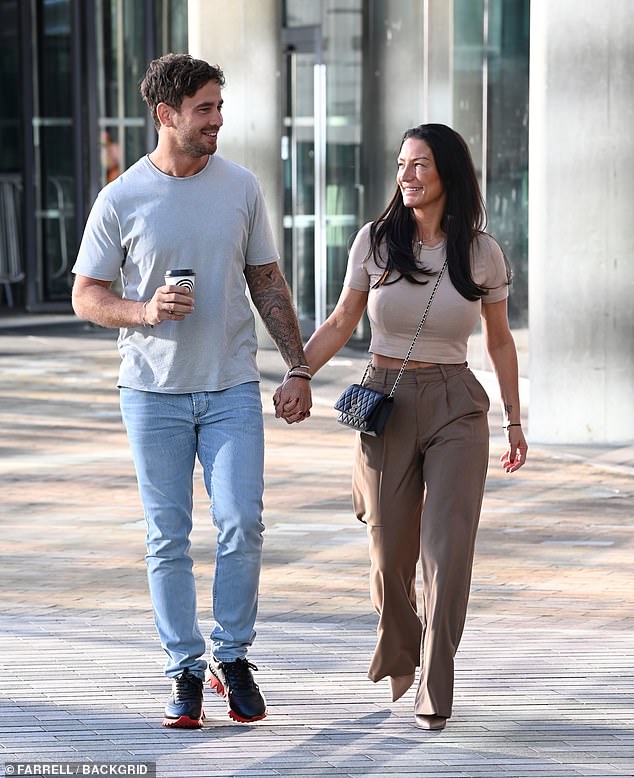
[431,242]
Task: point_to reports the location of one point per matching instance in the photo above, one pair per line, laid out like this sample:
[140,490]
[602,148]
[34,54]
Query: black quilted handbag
[366,410]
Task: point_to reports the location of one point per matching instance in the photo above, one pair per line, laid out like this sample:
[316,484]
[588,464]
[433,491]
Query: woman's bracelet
[508,426]
[299,367]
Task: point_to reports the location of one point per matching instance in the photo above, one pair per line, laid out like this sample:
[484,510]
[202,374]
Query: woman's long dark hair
[462,222]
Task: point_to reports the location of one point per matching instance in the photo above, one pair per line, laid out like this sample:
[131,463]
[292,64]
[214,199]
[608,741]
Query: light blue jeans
[225,430]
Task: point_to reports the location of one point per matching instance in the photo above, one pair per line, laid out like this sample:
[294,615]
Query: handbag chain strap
[420,327]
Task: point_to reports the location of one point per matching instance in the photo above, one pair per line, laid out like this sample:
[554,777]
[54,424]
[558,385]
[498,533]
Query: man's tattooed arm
[272,298]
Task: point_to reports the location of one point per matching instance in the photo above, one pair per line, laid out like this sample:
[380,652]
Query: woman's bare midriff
[378,360]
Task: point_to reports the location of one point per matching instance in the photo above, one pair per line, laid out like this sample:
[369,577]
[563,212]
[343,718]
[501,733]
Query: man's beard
[193,147]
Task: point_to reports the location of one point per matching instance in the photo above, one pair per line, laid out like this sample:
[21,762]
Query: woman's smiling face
[417,176]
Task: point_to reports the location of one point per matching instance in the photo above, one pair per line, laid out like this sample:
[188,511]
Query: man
[188,379]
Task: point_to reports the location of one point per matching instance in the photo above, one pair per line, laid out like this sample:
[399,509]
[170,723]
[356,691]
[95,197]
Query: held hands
[515,455]
[292,400]
[168,303]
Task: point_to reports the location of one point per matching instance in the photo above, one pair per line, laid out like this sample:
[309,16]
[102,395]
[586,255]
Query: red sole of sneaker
[184,722]
[233,715]
[216,685]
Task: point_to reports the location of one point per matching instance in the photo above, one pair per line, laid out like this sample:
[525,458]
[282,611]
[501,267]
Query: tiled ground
[545,679]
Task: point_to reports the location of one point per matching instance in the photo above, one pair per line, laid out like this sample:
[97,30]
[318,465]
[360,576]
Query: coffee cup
[182,277]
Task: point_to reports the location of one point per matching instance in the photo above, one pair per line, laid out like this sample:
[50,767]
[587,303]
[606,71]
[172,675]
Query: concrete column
[581,230]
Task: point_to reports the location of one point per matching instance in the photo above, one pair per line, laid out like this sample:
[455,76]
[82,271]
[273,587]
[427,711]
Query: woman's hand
[515,455]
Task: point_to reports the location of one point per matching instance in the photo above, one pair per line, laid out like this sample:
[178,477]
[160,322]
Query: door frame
[308,40]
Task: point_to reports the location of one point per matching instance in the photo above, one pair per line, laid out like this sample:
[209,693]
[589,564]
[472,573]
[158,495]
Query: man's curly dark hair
[172,77]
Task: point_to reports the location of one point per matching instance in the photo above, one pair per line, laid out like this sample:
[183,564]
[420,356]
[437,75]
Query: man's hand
[292,400]
[168,303]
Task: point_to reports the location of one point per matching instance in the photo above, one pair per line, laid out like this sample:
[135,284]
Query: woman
[419,486]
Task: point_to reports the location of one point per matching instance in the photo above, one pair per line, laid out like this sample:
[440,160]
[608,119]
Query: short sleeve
[100,254]
[491,269]
[261,249]
[357,276]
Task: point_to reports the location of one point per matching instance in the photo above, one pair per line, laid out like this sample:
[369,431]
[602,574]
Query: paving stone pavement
[544,677]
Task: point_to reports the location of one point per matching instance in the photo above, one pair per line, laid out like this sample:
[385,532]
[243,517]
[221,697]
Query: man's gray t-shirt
[146,222]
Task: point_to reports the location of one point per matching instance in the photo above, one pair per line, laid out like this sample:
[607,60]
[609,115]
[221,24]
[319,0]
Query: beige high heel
[430,722]
[400,684]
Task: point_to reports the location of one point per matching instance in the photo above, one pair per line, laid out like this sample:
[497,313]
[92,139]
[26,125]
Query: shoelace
[186,687]
[238,674]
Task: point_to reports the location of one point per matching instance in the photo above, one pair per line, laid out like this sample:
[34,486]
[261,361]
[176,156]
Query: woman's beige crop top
[395,310]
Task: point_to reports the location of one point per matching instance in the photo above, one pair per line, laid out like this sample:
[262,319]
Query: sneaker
[184,709]
[234,682]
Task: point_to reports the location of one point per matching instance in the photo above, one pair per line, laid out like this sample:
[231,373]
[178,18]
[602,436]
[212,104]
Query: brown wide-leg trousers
[419,488]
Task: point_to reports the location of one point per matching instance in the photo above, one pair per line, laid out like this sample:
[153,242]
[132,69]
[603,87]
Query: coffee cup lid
[185,271]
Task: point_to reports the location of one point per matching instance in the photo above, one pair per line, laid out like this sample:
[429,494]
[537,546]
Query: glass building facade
[355,74]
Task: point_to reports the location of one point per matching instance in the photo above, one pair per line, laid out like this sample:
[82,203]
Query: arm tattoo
[271,296]
[507,409]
